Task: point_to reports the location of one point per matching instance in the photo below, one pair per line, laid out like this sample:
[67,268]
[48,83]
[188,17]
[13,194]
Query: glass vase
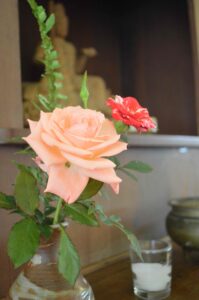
[41,280]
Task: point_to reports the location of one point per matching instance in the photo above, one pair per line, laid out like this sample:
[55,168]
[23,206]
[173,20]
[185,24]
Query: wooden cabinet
[145,50]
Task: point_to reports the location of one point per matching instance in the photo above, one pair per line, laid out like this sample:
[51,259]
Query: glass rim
[164,246]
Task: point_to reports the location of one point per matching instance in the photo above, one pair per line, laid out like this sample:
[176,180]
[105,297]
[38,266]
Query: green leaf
[26,151]
[104,194]
[16,139]
[128,173]
[26,192]
[61,96]
[39,216]
[36,106]
[50,23]
[44,102]
[45,230]
[80,213]
[84,93]
[7,202]
[55,64]
[68,259]
[91,189]
[58,85]
[135,246]
[53,55]
[115,160]
[58,75]
[138,166]
[121,127]
[124,138]
[115,221]
[41,13]
[33,4]
[23,241]
[38,174]
[115,218]
[49,210]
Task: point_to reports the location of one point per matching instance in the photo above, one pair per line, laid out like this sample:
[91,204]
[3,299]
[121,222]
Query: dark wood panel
[157,62]
[144,50]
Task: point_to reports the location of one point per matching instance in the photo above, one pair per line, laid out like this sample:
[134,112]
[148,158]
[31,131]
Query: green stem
[58,208]
[50,60]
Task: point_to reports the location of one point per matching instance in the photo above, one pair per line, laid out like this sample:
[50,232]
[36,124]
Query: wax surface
[151,276]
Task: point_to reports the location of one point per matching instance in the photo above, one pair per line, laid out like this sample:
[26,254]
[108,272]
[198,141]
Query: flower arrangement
[74,150]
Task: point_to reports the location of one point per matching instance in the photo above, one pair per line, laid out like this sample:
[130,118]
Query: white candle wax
[151,277]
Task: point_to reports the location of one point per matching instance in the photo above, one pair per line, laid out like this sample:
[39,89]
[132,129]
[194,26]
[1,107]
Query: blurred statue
[71,67]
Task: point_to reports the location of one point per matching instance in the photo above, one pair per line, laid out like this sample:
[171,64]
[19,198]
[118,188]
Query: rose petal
[40,164]
[51,141]
[115,187]
[83,142]
[97,163]
[107,175]
[32,124]
[47,154]
[107,141]
[112,149]
[66,182]
[45,120]
[107,129]
[108,148]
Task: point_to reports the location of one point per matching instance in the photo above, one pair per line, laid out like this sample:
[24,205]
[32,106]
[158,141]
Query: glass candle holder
[152,275]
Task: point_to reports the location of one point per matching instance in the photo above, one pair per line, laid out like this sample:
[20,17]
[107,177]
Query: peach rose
[72,143]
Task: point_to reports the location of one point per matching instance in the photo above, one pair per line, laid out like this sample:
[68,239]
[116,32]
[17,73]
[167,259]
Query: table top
[114,282]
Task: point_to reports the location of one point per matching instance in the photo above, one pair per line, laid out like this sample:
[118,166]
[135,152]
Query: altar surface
[114,281]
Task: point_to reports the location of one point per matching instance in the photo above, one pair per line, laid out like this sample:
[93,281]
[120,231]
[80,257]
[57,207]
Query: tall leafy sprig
[50,60]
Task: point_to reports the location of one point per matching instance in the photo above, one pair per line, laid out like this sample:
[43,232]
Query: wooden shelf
[115,280]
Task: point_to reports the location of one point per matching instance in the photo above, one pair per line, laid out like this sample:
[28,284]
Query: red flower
[130,112]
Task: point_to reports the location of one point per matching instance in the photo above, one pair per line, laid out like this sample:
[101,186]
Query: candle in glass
[152,276]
